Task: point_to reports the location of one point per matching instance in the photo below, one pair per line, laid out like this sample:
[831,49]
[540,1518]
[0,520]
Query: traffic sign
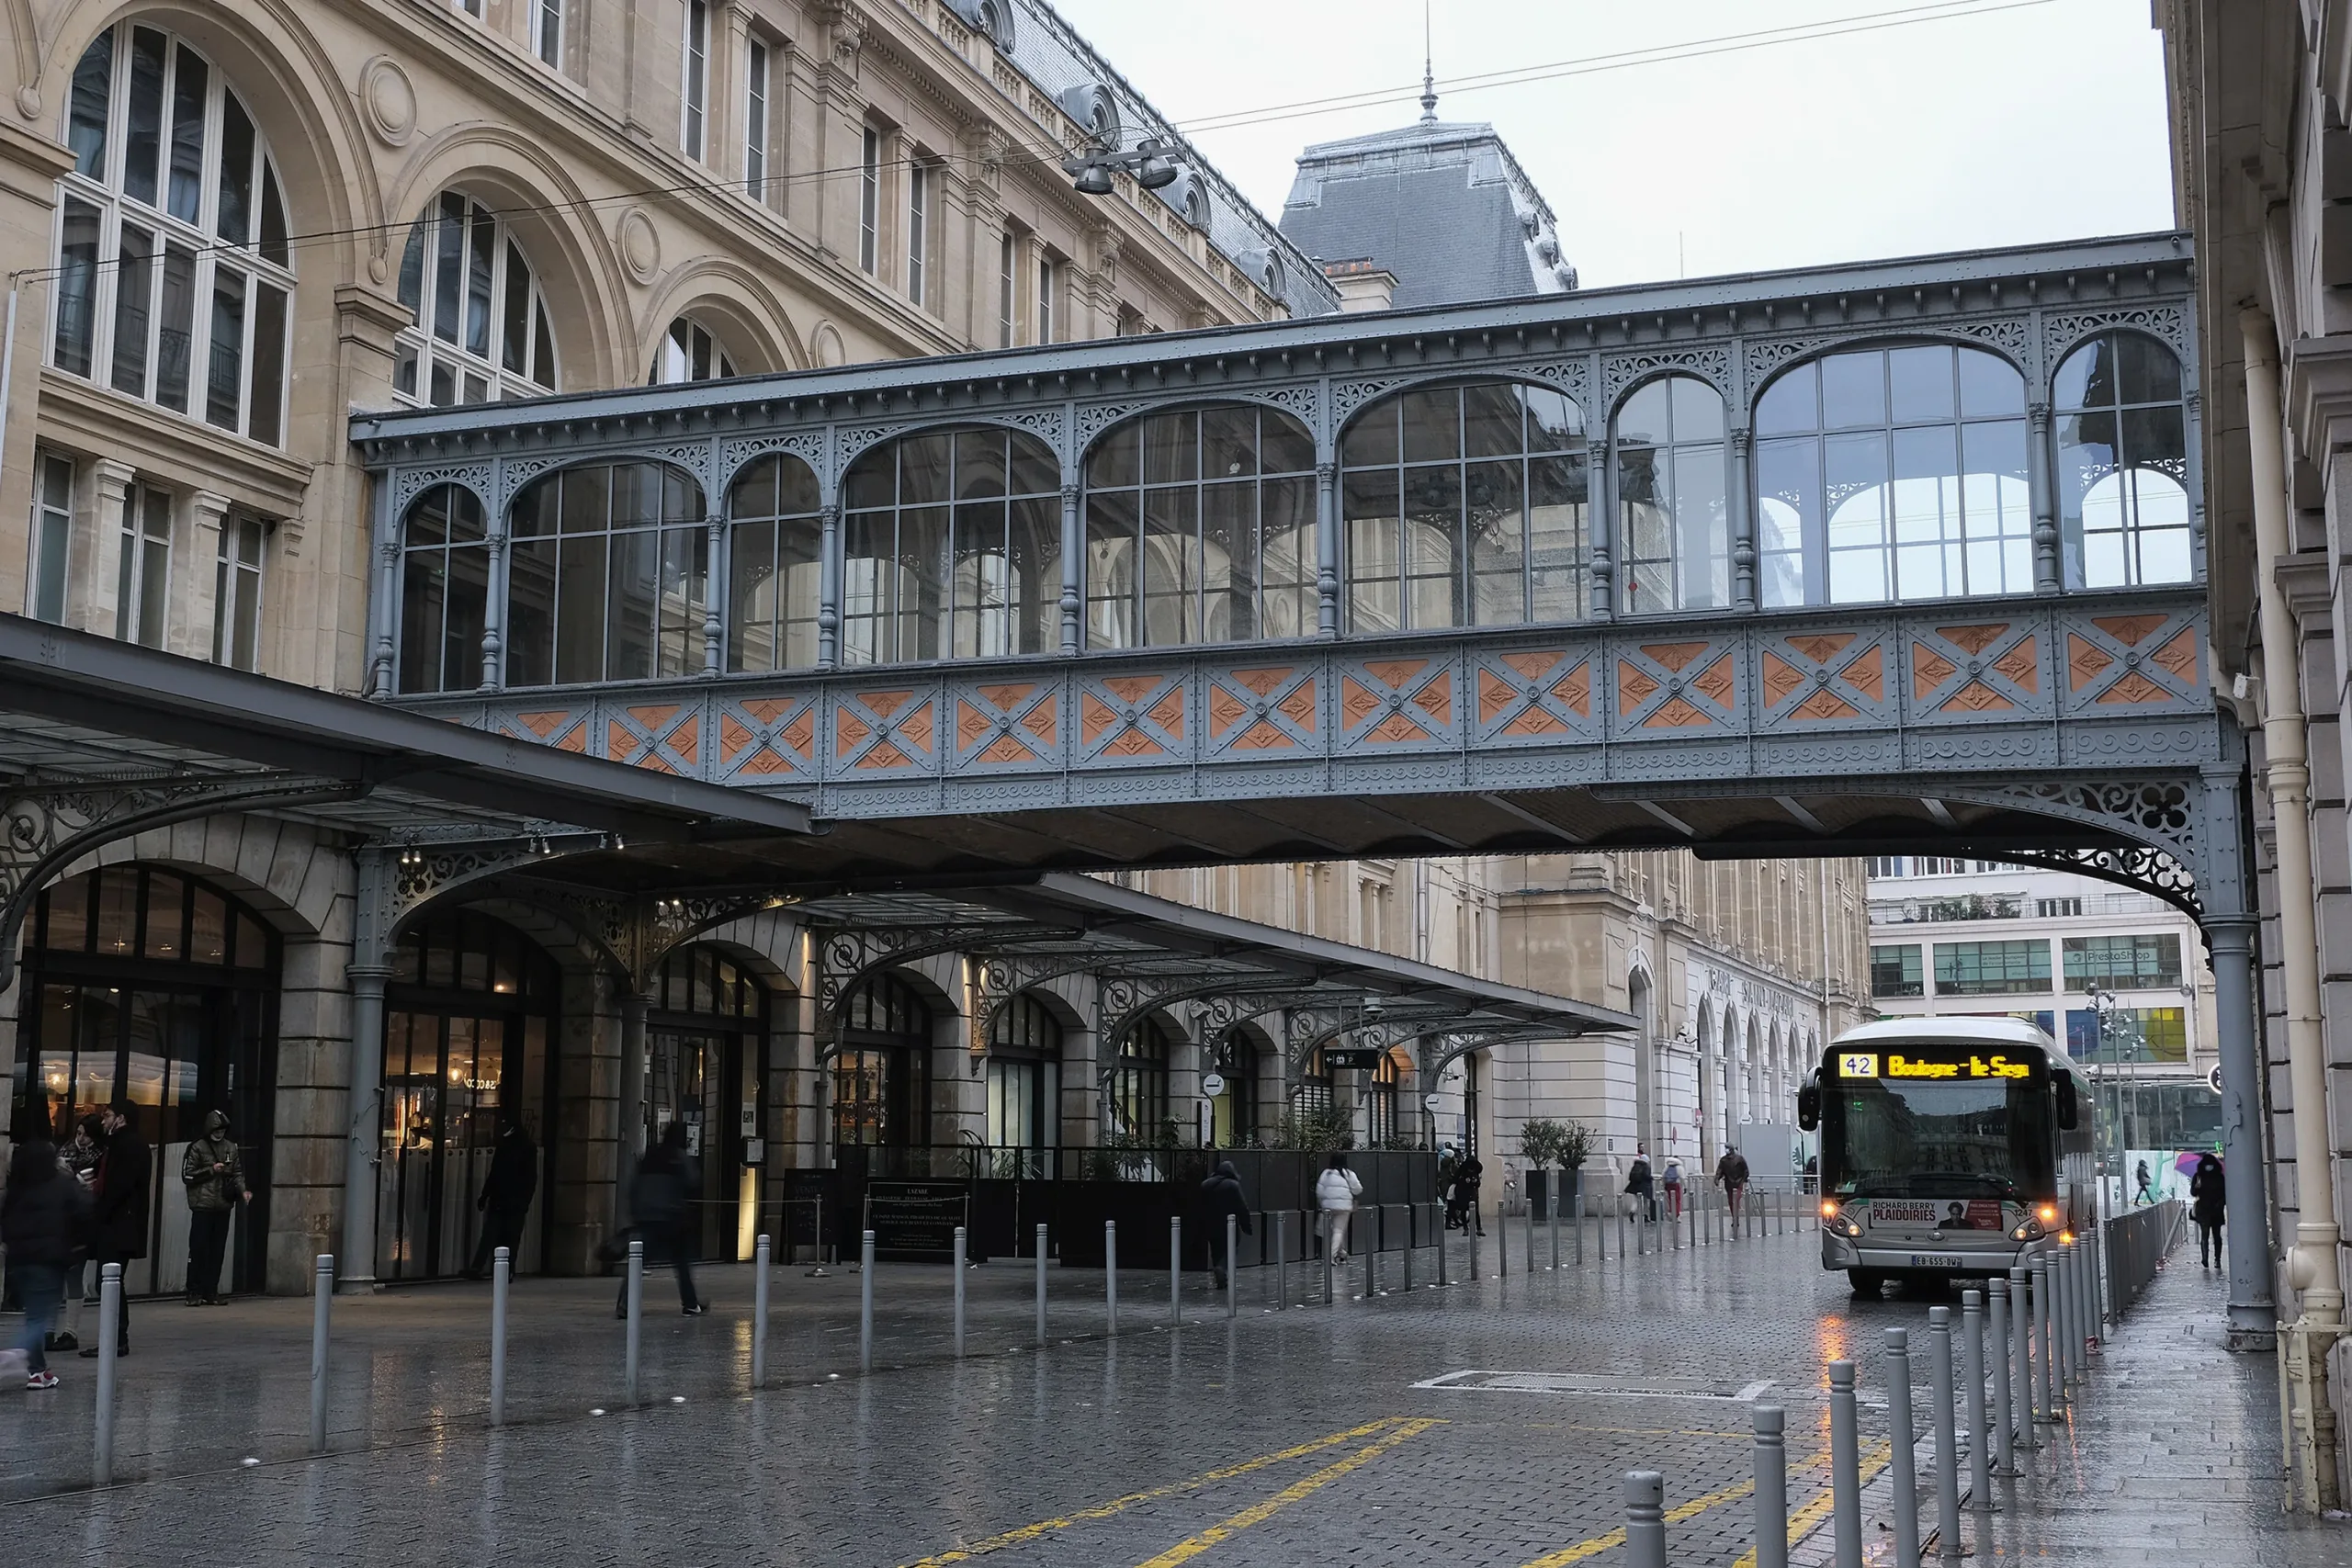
[1212,1084]
[2213,1078]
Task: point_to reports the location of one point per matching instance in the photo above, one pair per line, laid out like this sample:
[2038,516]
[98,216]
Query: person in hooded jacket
[1640,1186]
[1336,1191]
[661,1206]
[214,1173]
[1221,1195]
[125,1205]
[1464,1197]
[42,1215]
[2208,1200]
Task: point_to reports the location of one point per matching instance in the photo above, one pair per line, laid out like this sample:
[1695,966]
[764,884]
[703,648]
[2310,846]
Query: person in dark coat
[213,1171]
[1221,1195]
[1640,1185]
[1466,1176]
[124,1190]
[2207,1199]
[661,1207]
[505,1194]
[42,1218]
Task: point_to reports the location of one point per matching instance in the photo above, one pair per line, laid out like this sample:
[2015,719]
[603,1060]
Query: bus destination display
[1900,1065]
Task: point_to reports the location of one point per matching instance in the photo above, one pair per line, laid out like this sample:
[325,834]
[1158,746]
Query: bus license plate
[1933,1260]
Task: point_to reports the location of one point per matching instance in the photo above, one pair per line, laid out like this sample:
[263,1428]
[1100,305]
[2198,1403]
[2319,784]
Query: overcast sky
[2042,122]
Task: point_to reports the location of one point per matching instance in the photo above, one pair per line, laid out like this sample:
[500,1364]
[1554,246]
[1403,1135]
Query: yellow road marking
[1584,1549]
[1258,1513]
[1173,1489]
[1881,1454]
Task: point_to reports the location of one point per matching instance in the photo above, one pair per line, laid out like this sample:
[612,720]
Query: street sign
[1429,1103]
[1212,1084]
[1357,1057]
[2213,1078]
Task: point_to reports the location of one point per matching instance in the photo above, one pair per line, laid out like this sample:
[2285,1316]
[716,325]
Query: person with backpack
[1672,1181]
[1336,1191]
[660,1208]
[1463,1198]
[1221,1195]
[42,1218]
[1638,1185]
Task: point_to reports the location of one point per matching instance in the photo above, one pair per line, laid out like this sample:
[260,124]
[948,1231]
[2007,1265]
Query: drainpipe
[2311,1263]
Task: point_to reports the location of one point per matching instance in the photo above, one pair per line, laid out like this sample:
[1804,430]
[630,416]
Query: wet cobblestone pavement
[1289,1438]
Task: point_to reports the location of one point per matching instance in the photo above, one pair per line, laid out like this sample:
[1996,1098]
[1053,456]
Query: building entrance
[705,1049]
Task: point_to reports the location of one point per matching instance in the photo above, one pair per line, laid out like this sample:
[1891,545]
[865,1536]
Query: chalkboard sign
[806,1195]
[915,1221]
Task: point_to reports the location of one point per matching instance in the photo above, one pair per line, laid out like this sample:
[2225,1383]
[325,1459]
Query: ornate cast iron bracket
[46,827]
[2148,871]
[849,956]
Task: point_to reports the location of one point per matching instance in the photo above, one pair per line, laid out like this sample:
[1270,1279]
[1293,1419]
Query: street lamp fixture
[1148,160]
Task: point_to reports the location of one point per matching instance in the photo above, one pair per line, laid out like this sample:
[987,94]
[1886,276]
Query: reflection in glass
[444,590]
[773,568]
[1673,498]
[2122,463]
[607,576]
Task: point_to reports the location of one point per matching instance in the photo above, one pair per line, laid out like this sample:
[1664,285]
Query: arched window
[1025,1084]
[607,577]
[882,1073]
[1672,482]
[481,325]
[689,351]
[773,565]
[1200,527]
[173,276]
[951,548]
[1464,506]
[444,591]
[1139,1104]
[1382,1127]
[2122,463]
[1893,473]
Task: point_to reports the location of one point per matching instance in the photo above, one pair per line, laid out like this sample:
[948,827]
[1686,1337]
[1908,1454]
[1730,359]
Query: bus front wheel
[1866,1282]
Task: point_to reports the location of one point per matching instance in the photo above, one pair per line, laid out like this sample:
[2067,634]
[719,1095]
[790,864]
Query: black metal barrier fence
[2137,1243]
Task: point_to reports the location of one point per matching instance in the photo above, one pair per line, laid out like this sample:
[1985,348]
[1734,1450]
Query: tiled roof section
[1443,207]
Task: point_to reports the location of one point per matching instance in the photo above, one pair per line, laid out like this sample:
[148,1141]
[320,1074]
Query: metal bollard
[1644,1519]
[1330,1264]
[1041,1286]
[1845,1467]
[2021,1352]
[109,1321]
[635,1297]
[956,1265]
[1940,1380]
[321,1293]
[1531,1240]
[1470,1224]
[1371,1262]
[1502,1242]
[865,1302]
[1111,1274]
[1771,1486]
[1232,1265]
[1551,1203]
[1904,1480]
[2101,1314]
[1624,1222]
[1576,1217]
[2061,1319]
[1997,1347]
[1601,1235]
[1442,1238]
[1412,1236]
[2048,1410]
[1282,1259]
[763,1251]
[1972,1379]
[501,1272]
[1175,1270]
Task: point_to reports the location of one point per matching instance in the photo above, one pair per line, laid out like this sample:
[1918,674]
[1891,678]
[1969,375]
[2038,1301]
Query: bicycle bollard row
[322,1295]
[1972,1379]
[1845,1467]
[1644,1519]
[1232,1265]
[1997,1344]
[1939,1379]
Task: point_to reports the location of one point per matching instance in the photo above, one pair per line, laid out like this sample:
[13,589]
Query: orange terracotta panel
[1394,672]
[1436,699]
[1263,682]
[1716,684]
[1780,679]
[2179,657]
[1867,673]
[653,761]
[620,742]
[1537,720]
[1396,728]
[917,726]
[1299,706]
[1494,695]
[2020,667]
[801,733]
[970,723]
[1674,655]
[1824,704]
[1974,639]
[1132,742]
[885,755]
[1929,670]
[1574,689]
[1169,712]
[653,717]
[883,704]
[1043,720]
[2134,688]
[764,761]
[2085,661]
[1822,646]
[1976,697]
[733,735]
[1094,716]
[575,740]
[1008,749]
[1005,696]
[766,710]
[1534,665]
[2128,630]
[1132,688]
[543,725]
[848,732]
[1356,703]
[1225,710]
[1263,737]
[1676,714]
[686,739]
[1633,688]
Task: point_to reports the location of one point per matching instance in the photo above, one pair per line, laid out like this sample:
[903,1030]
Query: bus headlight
[1835,1221]
[2030,1231]
[2047,1213]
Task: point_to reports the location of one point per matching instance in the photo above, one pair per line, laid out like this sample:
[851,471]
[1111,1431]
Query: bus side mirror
[2068,1115]
[1809,1108]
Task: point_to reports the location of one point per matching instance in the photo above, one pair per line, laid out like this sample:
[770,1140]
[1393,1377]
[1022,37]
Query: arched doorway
[882,1079]
[1139,1106]
[705,1055]
[1382,1102]
[1234,1114]
[156,987]
[468,1013]
[1025,1090]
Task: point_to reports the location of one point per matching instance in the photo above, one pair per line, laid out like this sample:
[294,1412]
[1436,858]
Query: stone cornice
[75,413]
[2319,390]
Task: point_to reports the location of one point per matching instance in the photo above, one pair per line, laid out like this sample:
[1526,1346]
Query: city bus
[1950,1147]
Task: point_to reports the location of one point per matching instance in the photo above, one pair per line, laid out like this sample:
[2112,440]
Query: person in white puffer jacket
[1336,1191]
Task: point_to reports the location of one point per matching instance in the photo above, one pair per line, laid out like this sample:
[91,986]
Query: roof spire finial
[1428,76]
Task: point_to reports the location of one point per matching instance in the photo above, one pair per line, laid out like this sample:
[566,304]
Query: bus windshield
[1936,1139]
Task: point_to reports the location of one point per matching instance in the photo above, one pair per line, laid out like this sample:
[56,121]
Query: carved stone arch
[433,876]
[551,215]
[564,942]
[2007,341]
[723,292]
[1388,388]
[24,34]
[249,856]
[673,924]
[1128,413]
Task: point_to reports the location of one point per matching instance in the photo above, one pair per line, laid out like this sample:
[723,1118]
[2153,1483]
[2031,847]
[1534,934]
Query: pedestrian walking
[1449,1171]
[124,1204]
[1731,1175]
[41,1217]
[1466,1176]
[1639,1186]
[214,1173]
[1672,1181]
[2208,1198]
[507,1193]
[661,1208]
[2143,1195]
[1221,1195]
[1336,1191]
[79,1156]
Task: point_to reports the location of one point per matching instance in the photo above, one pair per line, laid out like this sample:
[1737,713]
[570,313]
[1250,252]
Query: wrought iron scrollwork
[2150,871]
